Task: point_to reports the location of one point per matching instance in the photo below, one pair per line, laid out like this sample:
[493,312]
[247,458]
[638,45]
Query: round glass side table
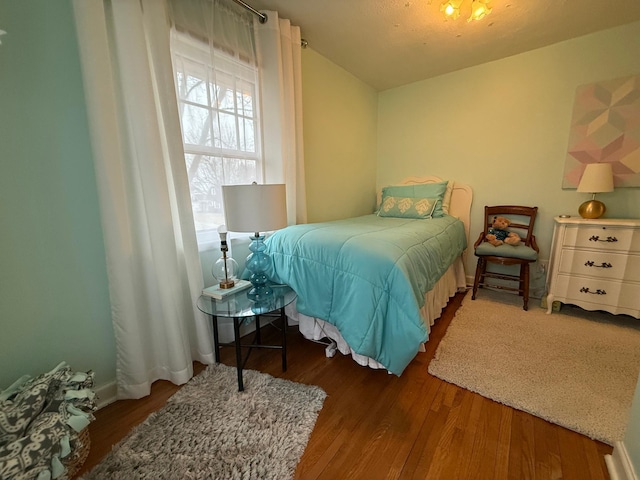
[243,310]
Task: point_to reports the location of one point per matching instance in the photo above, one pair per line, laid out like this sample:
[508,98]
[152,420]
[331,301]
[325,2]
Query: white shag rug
[576,368]
[209,430]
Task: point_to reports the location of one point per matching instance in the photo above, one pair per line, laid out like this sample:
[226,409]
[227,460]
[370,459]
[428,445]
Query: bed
[375,284]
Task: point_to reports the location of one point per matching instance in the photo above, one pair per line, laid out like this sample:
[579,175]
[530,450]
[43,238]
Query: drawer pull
[597,292]
[596,238]
[590,263]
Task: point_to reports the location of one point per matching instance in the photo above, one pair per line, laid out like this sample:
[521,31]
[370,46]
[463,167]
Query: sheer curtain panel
[241,107]
[152,257]
[217,82]
[279,57]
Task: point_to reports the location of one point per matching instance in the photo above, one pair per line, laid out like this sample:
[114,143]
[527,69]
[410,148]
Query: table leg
[236,338]
[216,339]
[258,337]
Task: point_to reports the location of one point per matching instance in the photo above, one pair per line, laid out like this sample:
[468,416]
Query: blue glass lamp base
[258,263]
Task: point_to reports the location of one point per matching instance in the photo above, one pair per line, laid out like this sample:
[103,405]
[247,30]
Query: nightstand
[595,264]
[243,311]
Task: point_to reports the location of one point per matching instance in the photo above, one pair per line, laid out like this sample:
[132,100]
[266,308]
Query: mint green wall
[340,120]
[503,127]
[54,302]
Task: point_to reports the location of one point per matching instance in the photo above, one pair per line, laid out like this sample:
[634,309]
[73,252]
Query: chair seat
[509,251]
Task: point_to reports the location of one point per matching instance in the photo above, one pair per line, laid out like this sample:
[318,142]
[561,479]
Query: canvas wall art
[605,127]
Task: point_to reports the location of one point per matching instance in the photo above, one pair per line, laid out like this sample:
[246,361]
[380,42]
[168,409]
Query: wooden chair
[523,219]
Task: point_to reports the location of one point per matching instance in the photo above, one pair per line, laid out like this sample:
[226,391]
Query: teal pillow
[407,207]
[509,251]
[422,190]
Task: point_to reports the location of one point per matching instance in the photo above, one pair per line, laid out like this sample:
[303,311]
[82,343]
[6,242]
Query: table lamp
[256,208]
[225,270]
[596,178]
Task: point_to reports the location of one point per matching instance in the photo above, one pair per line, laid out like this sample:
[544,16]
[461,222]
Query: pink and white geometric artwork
[605,127]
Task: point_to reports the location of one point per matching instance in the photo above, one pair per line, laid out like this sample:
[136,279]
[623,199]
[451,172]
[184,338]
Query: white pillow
[446,200]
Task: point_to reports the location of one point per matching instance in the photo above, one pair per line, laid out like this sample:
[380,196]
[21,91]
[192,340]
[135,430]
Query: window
[218,104]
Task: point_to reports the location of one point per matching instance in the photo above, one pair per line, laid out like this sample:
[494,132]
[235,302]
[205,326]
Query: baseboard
[619,464]
[106,394]
[470,279]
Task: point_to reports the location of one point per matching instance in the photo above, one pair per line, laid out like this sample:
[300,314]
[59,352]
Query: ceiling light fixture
[479,9]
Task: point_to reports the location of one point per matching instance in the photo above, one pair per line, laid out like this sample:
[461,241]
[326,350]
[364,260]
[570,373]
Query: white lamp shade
[597,177]
[255,208]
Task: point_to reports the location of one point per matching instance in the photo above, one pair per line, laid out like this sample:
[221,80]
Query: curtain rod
[262,18]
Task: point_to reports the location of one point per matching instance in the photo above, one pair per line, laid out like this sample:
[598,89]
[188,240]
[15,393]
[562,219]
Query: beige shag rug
[576,368]
[209,430]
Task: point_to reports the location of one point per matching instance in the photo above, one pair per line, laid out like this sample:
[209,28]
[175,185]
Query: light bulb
[222,231]
[479,9]
[451,8]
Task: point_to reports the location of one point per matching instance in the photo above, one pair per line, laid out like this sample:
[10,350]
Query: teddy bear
[498,233]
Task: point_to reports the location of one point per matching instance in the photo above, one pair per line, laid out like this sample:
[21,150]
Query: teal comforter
[367,276]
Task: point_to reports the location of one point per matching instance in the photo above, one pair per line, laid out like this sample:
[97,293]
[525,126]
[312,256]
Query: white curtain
[152,257]
[153,264]
[279,57]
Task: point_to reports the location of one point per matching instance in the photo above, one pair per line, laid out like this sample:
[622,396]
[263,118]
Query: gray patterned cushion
[39,422]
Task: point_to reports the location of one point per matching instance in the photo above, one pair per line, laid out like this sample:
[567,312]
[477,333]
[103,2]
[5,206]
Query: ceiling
[388,43]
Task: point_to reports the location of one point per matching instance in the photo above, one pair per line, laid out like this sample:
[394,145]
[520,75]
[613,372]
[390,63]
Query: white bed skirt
[435,300]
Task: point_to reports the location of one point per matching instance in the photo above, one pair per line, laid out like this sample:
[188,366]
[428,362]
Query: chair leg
[525,293]
[480,270]
[522,280]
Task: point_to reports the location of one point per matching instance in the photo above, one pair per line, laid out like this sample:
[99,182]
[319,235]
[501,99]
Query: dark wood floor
[375,425]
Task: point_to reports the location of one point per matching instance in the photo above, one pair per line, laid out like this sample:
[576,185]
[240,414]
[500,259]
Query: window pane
[228,137]
[191,84]
[226,100]
[247,140]
[205,175]
[196,126]
[245,100]
[221,86]
[239,170]
[196,90]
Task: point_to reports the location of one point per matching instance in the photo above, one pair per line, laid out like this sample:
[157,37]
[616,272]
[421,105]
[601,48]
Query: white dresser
[595,264]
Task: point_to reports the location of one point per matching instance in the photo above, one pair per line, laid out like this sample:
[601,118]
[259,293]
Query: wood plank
[485,446]
[572,455]
[522,452]
[503,443]
[547,451]
[421,455]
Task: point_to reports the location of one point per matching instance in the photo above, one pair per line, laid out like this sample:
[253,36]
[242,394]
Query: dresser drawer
[604,238]
[611,265]
[616,296]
